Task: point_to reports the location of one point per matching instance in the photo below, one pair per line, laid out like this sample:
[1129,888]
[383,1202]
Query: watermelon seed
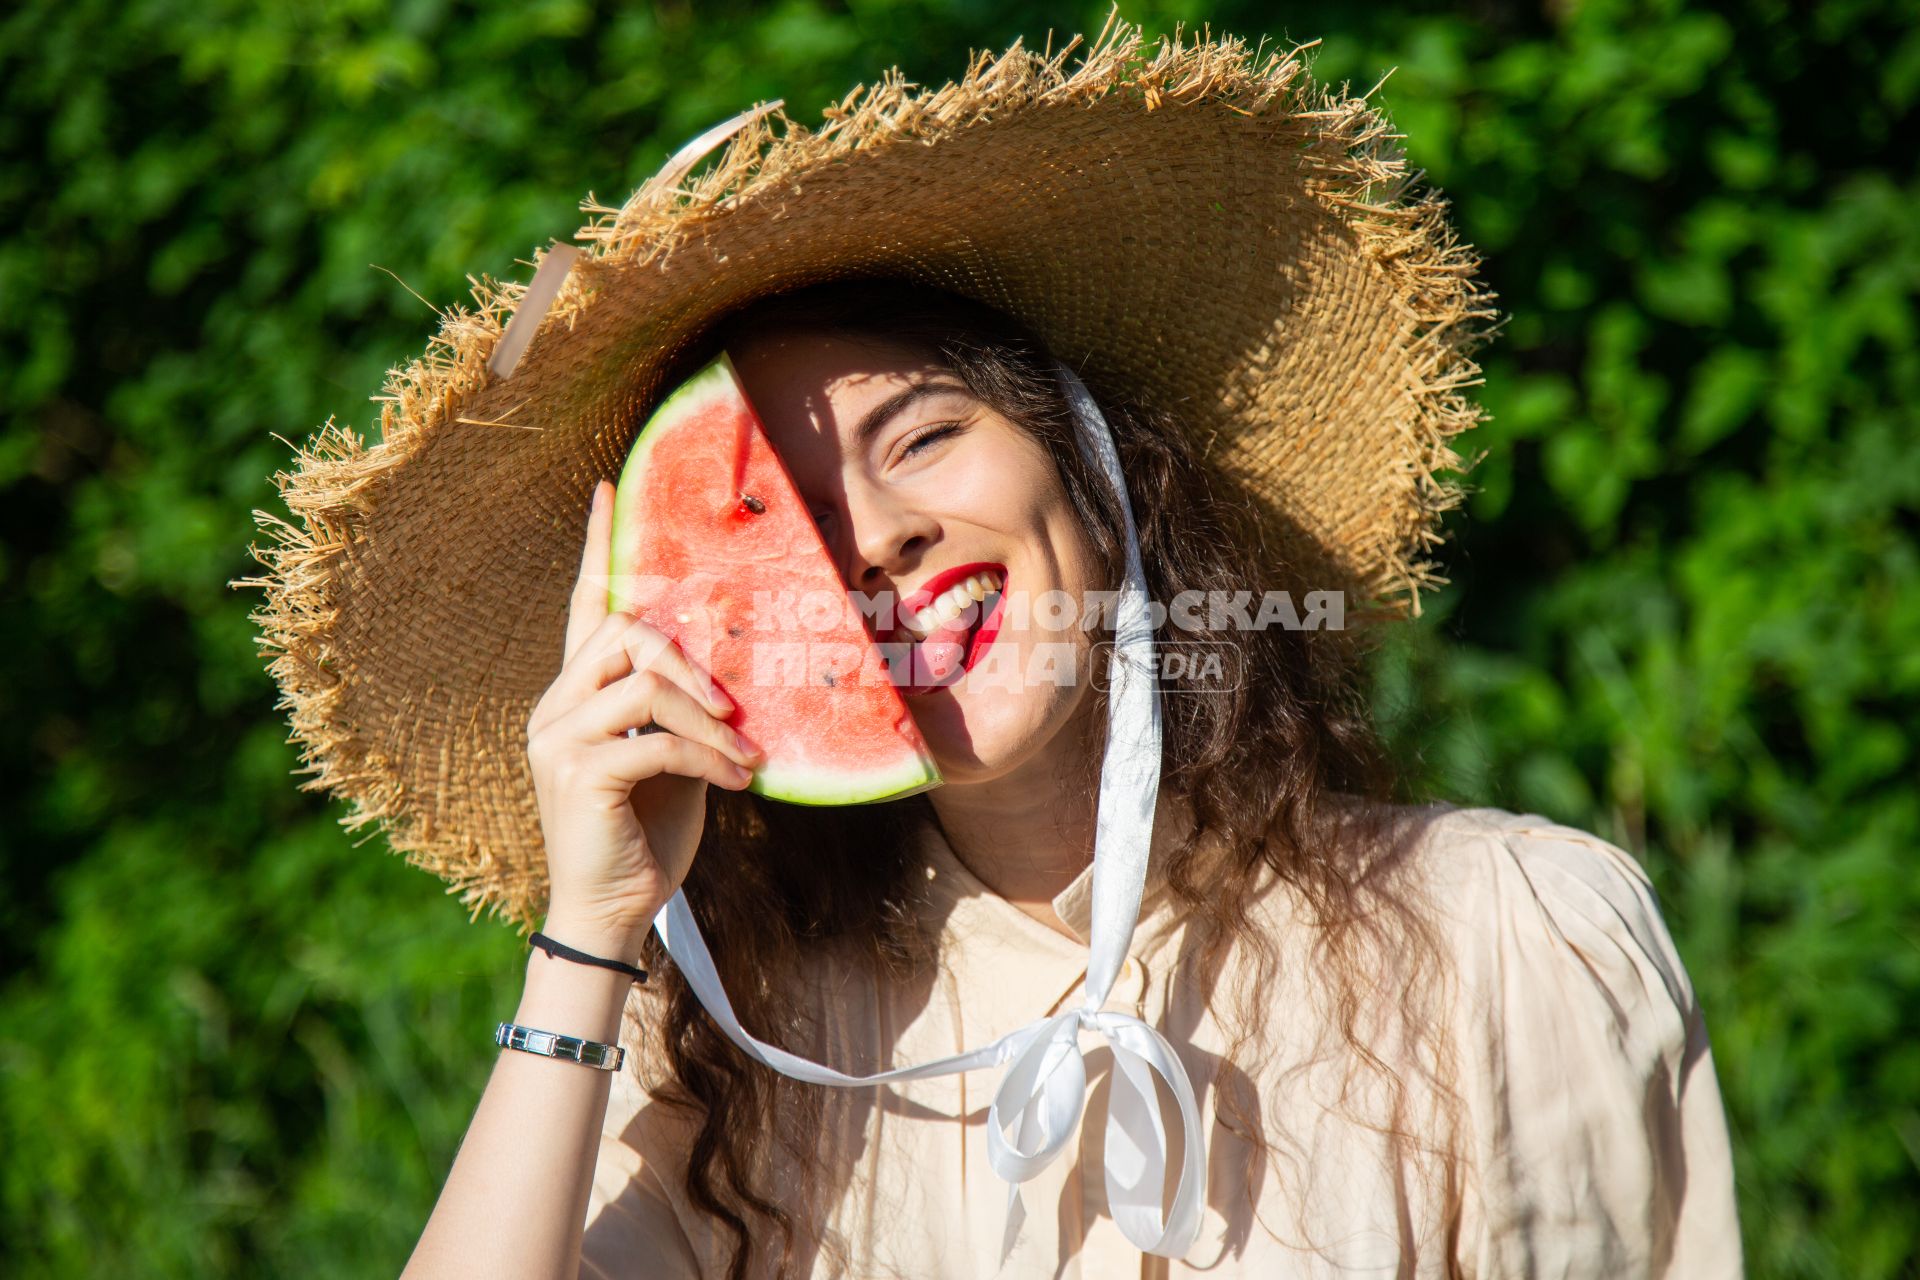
[826,678]
[735,630]
[753,504]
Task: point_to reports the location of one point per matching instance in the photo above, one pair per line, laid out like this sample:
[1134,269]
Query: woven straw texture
[1192,225]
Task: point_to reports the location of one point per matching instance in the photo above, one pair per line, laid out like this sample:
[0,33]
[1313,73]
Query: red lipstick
[983,631]
[940,583]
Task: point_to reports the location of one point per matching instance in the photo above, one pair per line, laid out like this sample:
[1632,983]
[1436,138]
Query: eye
[924,436]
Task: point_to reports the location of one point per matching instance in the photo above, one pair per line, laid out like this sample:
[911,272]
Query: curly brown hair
[1268,768]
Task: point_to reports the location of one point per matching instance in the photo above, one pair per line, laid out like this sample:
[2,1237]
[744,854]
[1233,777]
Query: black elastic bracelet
[565,952]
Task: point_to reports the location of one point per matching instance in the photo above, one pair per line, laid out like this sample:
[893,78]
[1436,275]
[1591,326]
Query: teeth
[952,604]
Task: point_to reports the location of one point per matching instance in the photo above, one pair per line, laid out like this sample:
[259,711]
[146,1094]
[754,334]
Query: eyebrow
[878,416]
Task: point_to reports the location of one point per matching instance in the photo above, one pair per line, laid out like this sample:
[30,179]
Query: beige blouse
[1590,1115]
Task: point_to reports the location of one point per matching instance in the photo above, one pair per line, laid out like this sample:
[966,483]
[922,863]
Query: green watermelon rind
[790,784]
[799,784]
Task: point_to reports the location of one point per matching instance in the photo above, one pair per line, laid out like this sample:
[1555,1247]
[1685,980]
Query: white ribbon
[1043,1089]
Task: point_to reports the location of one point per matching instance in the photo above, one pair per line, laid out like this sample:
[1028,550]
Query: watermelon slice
[713,545]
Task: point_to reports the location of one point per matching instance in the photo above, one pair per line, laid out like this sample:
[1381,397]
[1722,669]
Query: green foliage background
[1686,607]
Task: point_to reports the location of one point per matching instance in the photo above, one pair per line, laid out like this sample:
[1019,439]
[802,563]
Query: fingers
[623,644]
[588,607]
[603,657]
[631,760]
[647,697]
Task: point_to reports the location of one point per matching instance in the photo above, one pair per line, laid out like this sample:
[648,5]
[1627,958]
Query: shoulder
[1487,865]
[1534,921]
[1548,925]
[1480,851]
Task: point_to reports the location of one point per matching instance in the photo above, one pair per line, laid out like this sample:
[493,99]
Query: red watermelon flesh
[713,545]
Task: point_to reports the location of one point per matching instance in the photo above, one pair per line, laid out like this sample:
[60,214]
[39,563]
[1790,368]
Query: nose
[884,537]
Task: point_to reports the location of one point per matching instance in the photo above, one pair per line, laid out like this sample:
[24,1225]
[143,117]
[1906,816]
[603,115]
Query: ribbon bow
[1043,1089]
[1043,1092]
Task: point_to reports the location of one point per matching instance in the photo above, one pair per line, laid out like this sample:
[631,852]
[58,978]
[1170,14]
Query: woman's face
[921,492]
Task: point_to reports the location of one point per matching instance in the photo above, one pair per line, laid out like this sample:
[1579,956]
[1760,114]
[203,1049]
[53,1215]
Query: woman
[1424,1041]
[1441,1042]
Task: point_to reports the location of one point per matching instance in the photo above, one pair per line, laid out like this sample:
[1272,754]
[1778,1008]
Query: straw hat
[1196,226]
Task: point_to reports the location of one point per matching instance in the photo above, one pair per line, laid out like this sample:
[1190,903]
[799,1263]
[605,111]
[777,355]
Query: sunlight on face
[918,486]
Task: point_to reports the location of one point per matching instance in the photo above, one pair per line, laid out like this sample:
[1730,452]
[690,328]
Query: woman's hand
[622,815]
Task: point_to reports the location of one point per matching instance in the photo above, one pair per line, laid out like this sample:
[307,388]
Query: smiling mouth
[982,588]
[946,638]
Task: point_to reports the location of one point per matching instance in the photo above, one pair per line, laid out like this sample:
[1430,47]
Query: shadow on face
[924,494]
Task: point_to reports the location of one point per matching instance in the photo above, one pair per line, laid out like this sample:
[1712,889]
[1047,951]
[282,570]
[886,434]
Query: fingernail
[747,744]
[720,699]
[744,775]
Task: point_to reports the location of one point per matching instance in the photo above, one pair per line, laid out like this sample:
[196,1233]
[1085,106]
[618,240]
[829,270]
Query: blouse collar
[1012,967]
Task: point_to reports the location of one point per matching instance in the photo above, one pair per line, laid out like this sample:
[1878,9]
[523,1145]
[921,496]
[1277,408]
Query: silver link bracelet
[549,1044]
